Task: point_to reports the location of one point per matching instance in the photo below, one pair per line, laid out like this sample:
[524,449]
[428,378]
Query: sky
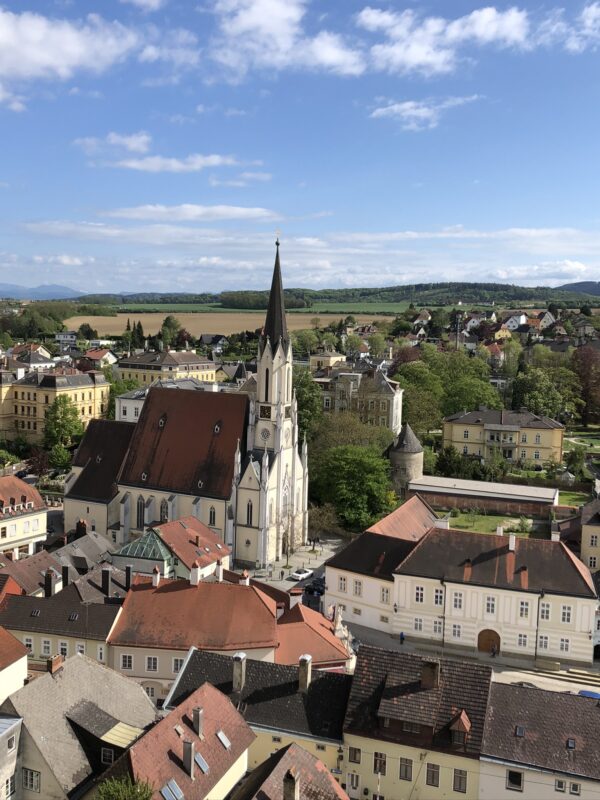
[162,145]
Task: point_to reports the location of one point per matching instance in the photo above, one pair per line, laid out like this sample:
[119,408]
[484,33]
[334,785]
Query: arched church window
[164,511]
[249,514]
[266,386]
[140,513]
[212,516]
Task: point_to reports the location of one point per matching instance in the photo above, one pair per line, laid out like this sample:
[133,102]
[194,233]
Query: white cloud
[191,163]
[188,212]
[419,115]
[64,260]
[178,47]
[262,177]
[266,34]
[147,5]
[132,142]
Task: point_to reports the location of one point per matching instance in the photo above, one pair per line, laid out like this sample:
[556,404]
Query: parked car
[315,587]
[22,473]
[301,574]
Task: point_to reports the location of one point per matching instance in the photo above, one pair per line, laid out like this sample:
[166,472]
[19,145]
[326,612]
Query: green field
[584,437]
[568,498]
[317,308]
[168,308]
[487,523]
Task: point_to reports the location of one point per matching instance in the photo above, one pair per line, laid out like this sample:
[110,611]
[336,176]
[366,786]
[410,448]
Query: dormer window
[411,727]
[459,737]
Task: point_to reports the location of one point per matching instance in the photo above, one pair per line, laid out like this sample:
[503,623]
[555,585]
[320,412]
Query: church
[231,460]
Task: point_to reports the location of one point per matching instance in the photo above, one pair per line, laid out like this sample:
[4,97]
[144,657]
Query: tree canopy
[62,425]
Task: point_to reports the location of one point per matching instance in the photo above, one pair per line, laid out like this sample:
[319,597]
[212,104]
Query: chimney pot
[197,537]
[106,581]
[54,663]
[245,581]
[512,542]
[156,577]
[188,757]
[128,576]
[430,674]
[239,672]
[291,785]
[304,672]
[198,721]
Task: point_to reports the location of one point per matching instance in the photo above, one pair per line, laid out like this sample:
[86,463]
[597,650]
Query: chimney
[291,785]
[239,672]
[195,574]
[555,536]
[304,672]
[245,581]
[295,596]
[128,576]
[219,571]
[430,674]
[188,757]
[512,542]
[197,539]
[499,530]
[442,523]
[65,575]
[155,577]
[54,664]
[524,578]
[468,570]
[198,721]
[49,583]
[106,581]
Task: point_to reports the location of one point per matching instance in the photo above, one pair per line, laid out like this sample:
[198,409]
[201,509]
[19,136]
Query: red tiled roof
[191,540]
[11,649]
[157,757]
[185,442]
[21,492]
[97,355]
[211,616]
[302,630]
[8,585]
[410,521]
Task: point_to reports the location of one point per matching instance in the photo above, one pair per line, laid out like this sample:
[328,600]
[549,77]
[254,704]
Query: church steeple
[275,323]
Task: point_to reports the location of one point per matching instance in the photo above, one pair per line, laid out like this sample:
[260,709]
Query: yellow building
[23,518]
[590,535]
[328,358]
[518,436]
[147,367]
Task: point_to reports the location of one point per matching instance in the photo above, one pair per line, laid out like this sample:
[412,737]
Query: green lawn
[568,498]
[586,437]
[487,523]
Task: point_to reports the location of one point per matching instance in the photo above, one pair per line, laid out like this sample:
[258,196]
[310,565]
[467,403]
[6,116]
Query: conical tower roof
[275,323]
[407,442]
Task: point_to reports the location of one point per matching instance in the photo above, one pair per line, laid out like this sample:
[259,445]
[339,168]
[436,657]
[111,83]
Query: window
[545,611]
[438,597]
[357,612]
[149,691]
[383,619]
[543,642]
[31,779]
[565,645]
[379,763]
[560,785]
[321,747]
[80,648]
[437,626]
[411,727]
[100,652]
[536,455]
[164,511]
[514,780]
[276,739]
[574,788]
[418,624]
[594,540]
[28,642]
[523,455]
[384,595]
[465,434]
[456,631]
[212,516]
[327,402]
[126,661]
[46,644]
[341,583]
[593,562]
[249,513]
[140,513]
[433,775]
[460,780]
[457,601]
[490,605]
[63,649]
[419,594]
[357,588]
[524,609]
[465,450]
[538,438]
[565,614]
[107,755]
[354,755]
[406,769]
[524,438]
[151,664]
[522,640]
[9,787]
[177,665]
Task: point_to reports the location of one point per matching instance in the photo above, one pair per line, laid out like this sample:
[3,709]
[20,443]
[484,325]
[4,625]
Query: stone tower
[406,458]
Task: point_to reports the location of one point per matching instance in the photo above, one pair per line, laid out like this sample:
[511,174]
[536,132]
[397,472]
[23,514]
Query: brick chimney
[54,664]
[188,757]
[65,575]
[291,785]
[239,672]
[512,542]
[106,581]
[155,577]
[304,672]
[430,674]
[468,570]
[197,539]
[195,573]
[524,578]
[50,583]
[198,721]
[499,530]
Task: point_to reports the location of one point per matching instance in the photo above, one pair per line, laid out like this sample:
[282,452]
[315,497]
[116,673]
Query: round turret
[406,458]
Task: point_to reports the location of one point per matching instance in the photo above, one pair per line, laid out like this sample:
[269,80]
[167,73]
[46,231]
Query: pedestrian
[281,574]
[494,651]
[401,637]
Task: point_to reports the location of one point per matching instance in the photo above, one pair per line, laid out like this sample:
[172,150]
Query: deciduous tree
[62,424]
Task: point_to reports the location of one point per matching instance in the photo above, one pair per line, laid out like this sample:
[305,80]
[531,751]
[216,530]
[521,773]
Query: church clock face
[265,434]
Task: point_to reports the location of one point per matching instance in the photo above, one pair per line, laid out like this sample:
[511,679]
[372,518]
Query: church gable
[185,442]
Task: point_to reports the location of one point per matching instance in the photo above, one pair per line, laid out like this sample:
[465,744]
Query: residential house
[291,772]
[77,718]
[517,435]
[10,735]
[422,318]
[23,518]
[29,573]
[216,342]
[66,339]
[174,547]
[246,476]
[199,750]
[539,743]
[502,333]
[589,524]
[13,669]
[33,361]
[414,726]
[100,357]
[282,704]
[128,406]
[372,395]
[583,328]
[84,553]
[29,347]
[326,358]
[148,366]
[514,321]
[546,319]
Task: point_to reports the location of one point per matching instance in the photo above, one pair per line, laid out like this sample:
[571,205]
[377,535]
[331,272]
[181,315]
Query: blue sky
[159,145]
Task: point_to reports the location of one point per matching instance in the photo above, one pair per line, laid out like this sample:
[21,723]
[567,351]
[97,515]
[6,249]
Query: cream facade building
[590,534]
[23,518]
[166,364]
[517,435]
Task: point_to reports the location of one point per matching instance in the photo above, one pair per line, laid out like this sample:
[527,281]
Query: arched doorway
[597,652]
[488,641]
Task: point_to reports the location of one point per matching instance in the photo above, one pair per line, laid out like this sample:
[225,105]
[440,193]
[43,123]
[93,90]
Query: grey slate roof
[488,416]
[271,697]
[83,554]
[45,703]
[549,719]
[387,683]
[101,453]
[372,554]
[407,442]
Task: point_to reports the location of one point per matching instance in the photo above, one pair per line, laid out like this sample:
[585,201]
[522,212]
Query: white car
[301,574]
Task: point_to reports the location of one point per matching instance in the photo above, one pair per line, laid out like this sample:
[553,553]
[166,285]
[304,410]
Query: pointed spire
[407,442]
[275,323]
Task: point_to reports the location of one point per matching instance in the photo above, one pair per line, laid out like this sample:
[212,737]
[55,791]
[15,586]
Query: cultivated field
[208,322]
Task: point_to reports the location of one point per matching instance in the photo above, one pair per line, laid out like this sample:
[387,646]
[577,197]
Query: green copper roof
[149,546]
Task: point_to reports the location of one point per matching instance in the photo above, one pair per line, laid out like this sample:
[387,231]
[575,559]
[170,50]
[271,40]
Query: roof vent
[200,484]
[35,612]
[570,744]
[224,740]
[519,731]
[73,616]
[98,458]
[217,428]
[162,420]
[144,476]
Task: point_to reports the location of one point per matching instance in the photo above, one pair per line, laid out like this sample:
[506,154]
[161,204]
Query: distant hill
[583,287]
[45,292]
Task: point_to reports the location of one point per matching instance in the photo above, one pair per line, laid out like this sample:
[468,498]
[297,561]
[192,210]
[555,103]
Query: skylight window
[201,763]
[73,616]
[520,731]
[167,793]
[174,787]
[223,739]
[219,546]
[570,744]
[35,612]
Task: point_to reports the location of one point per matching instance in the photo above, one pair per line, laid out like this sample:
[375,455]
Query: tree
[585,362]
[535,391]
[356,481]
[310,400]
[585,310]
[512,357]
[575,461]
[87,332]
[376,345]
[421,409]
[118,386]
[448,462]
[7,458]
[305,341]
[330,341]
[169,330]
[62,424]
[352,345]
[60,457]
[337,430]
[124,789]
[468,393]
[38,462]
